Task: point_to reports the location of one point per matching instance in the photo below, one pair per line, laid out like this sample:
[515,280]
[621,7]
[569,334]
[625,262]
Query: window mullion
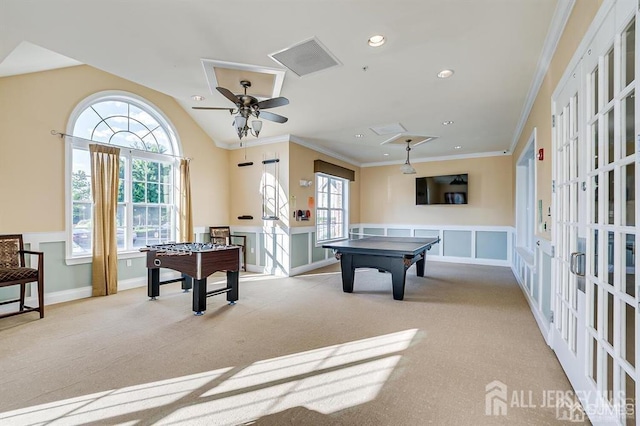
[128,190]
[330,209]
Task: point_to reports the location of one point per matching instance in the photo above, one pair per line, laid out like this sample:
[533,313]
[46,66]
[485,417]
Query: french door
[569,230]
[595,333]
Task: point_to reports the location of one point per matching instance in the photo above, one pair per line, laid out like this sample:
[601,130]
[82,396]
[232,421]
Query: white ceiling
[498,49]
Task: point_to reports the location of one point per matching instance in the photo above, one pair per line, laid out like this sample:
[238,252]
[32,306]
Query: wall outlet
[128,262]
[253,250]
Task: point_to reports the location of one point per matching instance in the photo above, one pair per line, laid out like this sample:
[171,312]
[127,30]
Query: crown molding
[298,140]
[558,22]
[440,158]
[302,142]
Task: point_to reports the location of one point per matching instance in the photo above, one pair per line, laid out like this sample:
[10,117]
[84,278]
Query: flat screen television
[443,189]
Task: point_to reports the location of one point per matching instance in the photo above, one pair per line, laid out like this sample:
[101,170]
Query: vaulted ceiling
[497,49]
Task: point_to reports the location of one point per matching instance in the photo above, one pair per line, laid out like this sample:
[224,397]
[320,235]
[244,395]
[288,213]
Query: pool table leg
[348,272]
[420,264]
[398,275]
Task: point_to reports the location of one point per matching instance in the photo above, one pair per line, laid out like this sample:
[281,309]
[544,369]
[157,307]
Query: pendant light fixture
[407,168]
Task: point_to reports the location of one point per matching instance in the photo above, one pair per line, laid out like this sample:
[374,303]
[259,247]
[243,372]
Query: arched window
[147,197]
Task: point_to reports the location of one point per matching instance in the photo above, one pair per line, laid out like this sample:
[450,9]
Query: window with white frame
[146,212]
[332,215]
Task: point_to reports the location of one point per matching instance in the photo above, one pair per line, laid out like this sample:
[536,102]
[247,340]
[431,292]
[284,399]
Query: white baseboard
[257,269]
[537,315]
[84,292]
[467,260]
[133,283]
[310,267]
[51,298]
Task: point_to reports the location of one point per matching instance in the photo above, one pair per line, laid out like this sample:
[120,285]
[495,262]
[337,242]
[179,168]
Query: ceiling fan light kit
[249,106]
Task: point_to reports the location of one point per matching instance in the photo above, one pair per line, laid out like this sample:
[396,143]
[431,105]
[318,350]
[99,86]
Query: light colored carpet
[292,351]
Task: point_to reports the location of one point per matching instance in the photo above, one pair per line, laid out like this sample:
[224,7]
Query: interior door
[595,332]
[568,228]
[612,303]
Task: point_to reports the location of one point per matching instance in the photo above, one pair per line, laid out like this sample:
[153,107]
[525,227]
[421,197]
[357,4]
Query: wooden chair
[222,235]
[13,271]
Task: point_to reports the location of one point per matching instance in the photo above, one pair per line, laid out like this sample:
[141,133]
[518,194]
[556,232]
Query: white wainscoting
[534,276]
[274,255]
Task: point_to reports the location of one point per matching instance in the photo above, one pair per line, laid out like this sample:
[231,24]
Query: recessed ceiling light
[197,98]
[359,135]
[376,40]
[446,123]
[457,147]
[445,73]
[385,154]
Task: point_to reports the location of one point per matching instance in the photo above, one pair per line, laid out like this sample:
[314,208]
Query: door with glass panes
[568,227]
[595,222]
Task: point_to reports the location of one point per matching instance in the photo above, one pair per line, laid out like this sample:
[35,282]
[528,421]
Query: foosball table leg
[187,283]
[199,296]
[232,286]
[153,283]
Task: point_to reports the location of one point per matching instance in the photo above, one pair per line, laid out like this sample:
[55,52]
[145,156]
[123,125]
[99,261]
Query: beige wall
[245,183]
[301,167]
[296,163]
[32,161]
[540,116]
[388,196]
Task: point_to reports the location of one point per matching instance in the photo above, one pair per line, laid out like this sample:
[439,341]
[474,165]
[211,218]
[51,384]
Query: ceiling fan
[247,106]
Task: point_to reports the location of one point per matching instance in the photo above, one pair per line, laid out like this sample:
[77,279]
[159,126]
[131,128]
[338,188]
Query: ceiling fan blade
[218,108]
[228,94]
[273,102]
[273,117]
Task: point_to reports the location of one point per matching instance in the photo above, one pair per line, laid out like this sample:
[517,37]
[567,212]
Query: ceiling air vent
[306,58]
[388,129]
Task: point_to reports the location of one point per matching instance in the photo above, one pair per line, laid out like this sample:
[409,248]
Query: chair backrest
[10,255]
[220,235]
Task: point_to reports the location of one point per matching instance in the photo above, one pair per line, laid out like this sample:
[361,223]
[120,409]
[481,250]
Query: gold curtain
[186,216]
[105,164]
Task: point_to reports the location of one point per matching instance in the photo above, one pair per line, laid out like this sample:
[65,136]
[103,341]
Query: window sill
[88,258]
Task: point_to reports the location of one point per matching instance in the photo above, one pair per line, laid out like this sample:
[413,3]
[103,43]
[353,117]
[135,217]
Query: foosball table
[196,261]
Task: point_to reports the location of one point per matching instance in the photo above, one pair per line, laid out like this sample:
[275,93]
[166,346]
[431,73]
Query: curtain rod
[54,133]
